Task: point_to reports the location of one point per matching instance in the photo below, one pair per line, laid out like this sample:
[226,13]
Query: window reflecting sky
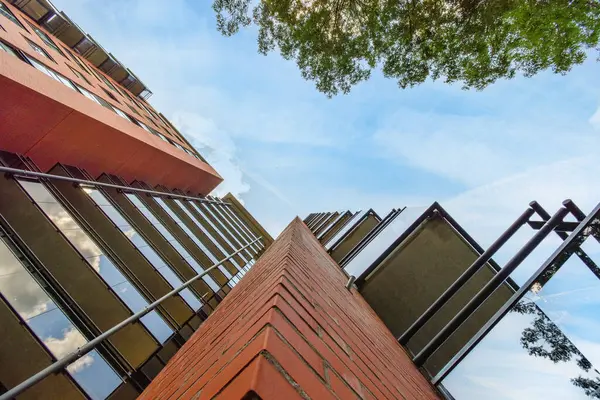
[548,346]
[91,252]
[170,238]
[144,247]
[52,327]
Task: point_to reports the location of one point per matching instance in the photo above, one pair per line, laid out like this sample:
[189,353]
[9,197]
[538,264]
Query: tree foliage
[338,43]
[545,339]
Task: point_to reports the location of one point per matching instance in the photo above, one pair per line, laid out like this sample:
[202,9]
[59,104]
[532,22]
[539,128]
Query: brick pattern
[291,330]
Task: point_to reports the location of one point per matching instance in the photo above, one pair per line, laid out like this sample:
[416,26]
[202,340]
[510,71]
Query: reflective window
[241,226]
[140,243]
[123,115]
[234,231]
[171,239]
[92,253]
[45,38]
[209,236]
[225,226]
[8,49]
[383,240]
[545,346]
[96,99]
[79,75]
[52,327]
[77,61]
[39,50]
[4,11]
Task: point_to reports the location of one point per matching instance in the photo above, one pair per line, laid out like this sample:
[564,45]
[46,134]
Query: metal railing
[22,173]
[89,346]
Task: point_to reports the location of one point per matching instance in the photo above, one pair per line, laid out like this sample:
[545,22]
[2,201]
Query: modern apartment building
[121,276]
[104,210]
[451,306]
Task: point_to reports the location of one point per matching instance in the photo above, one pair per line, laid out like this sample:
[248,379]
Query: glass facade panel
[170,238]
[105,268]
[19,288]
[241,227]
[91,252]
[45,38]
[39,50]
[51,326]
[209,236]
[239,239]
[545,347]
[4,11]
[220,228]
[8,49]
[140,243]
[383,240]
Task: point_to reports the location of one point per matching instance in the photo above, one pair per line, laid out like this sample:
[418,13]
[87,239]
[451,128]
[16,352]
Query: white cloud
[72,339]
[217,147]
[595,119]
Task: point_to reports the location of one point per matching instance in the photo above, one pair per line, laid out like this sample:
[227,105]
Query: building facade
[120,276]
[458,313]
[104,211]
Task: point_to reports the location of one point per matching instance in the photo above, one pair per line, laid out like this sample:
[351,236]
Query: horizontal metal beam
[562,227]
[16,172]
[89,346]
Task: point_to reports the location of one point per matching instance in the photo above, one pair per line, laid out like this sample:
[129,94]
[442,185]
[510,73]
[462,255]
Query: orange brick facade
[51,123]
[291,330]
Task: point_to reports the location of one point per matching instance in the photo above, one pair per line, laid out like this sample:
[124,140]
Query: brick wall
[291,330]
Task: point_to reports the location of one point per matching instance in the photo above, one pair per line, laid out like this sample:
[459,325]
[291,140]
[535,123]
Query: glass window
[187,257]
[92,253]
[39,50]
[8,49]
[207,234]
[123,115]
[96,99]
[241,226]
[8,14]
[79,75]
[78,61]
[226,226]
[240,238]
[45,38]
[112,96]
[51,326]
[138,241]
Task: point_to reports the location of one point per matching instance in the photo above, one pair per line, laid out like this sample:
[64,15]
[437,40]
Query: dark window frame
[35,48]
[45,38]
[5,11]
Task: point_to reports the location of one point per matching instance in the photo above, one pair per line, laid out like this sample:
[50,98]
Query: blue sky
[287,150]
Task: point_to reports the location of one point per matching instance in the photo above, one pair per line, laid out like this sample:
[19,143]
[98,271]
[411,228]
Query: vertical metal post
[466,275]
[489,288]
